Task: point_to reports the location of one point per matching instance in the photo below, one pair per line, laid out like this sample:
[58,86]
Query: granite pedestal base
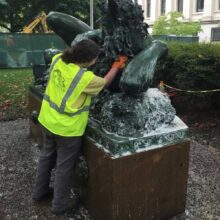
[141,186]
[34,104]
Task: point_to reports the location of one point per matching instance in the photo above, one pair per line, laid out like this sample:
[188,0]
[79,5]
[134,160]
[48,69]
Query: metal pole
[91,14]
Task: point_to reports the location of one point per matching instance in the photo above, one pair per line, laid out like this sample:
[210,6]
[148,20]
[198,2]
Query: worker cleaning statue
[129,107]
[126,117]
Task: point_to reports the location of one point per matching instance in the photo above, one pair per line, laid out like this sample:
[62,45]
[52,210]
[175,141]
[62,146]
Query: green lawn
[14,84]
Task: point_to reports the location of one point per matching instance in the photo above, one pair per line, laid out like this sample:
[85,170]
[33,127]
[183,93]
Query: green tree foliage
[173,23]
[3,2]
[19,13]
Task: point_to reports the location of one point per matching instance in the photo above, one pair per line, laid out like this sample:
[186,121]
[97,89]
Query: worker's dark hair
[81,52]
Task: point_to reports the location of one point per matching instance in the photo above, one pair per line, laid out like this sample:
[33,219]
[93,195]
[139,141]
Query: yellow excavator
[38,25]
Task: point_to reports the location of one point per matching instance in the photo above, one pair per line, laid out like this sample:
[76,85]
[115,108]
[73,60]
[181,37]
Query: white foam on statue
[153,92]
[177,127]
[161,128]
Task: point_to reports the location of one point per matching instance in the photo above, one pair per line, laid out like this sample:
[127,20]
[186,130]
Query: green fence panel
[160,37]
[187,39]
[25,50]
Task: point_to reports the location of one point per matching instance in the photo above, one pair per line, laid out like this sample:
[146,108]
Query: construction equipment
[38,25]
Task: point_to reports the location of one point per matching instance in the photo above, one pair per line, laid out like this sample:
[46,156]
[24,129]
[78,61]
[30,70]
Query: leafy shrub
[192,66]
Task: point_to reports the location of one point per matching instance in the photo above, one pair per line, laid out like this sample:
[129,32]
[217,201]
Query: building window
[215,34]
[180,6]
[199,5]
[148,8]
[163,7]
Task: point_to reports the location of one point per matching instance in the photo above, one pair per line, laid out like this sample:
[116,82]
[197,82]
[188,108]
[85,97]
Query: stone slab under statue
[136,148]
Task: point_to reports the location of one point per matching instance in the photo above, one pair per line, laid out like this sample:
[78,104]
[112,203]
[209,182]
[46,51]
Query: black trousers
[62,153]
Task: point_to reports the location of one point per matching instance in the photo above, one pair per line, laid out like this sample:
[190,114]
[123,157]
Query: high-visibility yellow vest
[66,83]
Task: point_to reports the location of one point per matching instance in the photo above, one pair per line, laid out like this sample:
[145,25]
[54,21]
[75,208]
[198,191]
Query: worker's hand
[120,63]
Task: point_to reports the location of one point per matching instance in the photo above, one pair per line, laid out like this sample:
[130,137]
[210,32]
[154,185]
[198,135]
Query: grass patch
[14,85]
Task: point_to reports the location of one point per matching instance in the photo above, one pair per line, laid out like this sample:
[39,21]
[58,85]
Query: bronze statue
[130,108]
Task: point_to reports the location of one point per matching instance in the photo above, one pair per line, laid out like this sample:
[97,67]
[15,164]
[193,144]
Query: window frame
[199,5]
[179,6]
[148,8]
[212,34]
[162,7]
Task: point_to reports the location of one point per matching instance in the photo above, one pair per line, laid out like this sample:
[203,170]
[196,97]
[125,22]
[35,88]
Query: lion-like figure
[130,107]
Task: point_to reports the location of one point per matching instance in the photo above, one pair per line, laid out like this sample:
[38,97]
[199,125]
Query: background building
[207,11]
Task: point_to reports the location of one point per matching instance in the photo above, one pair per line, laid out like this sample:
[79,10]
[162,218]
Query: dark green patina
[139,73]
[66,26]
[122,32]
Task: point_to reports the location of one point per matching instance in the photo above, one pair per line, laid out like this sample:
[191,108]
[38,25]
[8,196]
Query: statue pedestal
[137,178]
[131,178]
[34,104]
[146,185]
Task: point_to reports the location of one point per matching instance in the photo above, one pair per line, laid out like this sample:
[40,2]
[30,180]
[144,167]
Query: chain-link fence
[25,50]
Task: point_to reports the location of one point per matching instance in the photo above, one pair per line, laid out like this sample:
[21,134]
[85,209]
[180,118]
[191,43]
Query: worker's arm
[110,76]
[117,65]
[98,83]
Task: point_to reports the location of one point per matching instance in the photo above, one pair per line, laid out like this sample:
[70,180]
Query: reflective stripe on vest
[58,109]
[67,95]
[52,65]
